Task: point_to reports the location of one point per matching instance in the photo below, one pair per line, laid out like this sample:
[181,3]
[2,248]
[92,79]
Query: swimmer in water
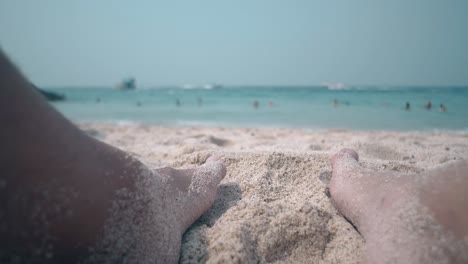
[443,108]
[407,106]
[256,104]
[428,105]
[335,103]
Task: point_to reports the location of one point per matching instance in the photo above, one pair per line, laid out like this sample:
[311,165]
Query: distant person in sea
[138,103]
[443,108]
[428,105]
[256,104]
[335,103]
[177,102]
[407,106]
[270,104]
[98,100]
[199,101]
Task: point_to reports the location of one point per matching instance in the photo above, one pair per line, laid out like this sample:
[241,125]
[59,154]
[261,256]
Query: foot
[198,186]
[404,218]
[147,225]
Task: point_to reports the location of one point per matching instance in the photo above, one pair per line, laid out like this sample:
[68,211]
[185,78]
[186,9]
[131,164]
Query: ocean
[358,108]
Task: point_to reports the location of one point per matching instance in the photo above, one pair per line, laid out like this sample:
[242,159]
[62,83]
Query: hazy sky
[300,42]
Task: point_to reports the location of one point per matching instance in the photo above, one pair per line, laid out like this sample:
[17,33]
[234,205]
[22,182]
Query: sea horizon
[234,86]
[309,107]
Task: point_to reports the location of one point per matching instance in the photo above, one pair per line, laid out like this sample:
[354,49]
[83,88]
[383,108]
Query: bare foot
[404,219]
[199,185]
[146,225]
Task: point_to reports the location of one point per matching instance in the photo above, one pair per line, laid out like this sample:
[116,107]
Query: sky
[238,42]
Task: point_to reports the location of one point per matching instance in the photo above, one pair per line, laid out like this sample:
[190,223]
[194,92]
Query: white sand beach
[273,205]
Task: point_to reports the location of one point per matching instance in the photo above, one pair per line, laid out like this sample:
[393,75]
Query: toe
[206,178]
[360,194]
[347,188]
[345,161]
[202,190]
[346,172]
[213,171]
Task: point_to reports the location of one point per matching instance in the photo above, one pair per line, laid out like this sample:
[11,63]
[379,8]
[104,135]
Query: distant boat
[127,84]
[208,86]
[334,86]
[212,86]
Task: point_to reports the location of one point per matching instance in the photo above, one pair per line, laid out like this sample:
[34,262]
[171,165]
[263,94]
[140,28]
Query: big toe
[202,189]
[344,161]
[349,185]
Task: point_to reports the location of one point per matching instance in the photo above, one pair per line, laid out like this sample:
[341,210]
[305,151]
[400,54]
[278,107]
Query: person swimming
[256,104]
[335,103]
[443,108]
[177,102]
[407,106]
[428,105]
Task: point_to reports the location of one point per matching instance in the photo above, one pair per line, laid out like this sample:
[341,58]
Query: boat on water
[127,84]
[334,86]
[210,86]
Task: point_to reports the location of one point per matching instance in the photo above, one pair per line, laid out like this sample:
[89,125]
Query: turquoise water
[374,108]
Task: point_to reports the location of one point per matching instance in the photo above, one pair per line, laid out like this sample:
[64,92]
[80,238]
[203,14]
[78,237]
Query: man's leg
[63,193]
[405,218]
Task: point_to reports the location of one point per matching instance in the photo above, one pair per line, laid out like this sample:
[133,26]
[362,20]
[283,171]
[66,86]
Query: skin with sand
[404,219]
[169,201]
[55,178]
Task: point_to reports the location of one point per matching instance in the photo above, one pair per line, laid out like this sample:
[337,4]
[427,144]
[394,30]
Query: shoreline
[264,127]
[273,204]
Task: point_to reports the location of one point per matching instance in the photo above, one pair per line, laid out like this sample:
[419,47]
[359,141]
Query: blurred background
[364,64]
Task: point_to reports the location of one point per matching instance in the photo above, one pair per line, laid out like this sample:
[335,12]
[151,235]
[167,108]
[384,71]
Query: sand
[273,205]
